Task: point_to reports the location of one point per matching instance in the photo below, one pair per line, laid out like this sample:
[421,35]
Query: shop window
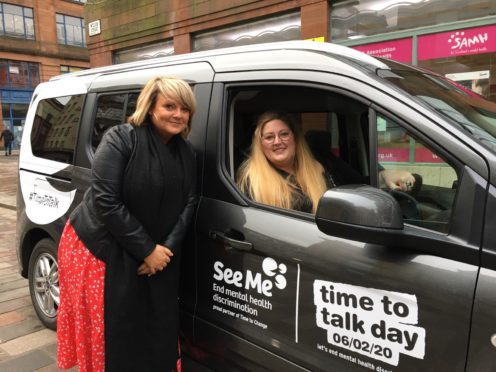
[281,28]
[162,49]
[463,55]
[19,110]
[112,109]
[70,30]
[14,116]
[16,21]
[362,18]
[52,115]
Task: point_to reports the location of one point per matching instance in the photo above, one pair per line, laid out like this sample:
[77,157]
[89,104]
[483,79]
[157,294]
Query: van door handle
[237,243]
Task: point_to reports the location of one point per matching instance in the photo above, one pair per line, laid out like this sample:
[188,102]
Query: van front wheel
[43,274]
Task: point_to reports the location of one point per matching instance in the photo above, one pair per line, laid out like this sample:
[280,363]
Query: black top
[121,208]
[7,136]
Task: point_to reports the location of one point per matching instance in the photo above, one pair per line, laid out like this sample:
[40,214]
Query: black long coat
[142,193]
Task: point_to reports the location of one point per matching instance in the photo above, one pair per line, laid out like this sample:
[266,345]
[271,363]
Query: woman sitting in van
[281,170]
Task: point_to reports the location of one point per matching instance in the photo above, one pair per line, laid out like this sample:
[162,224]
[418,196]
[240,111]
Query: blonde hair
[169,87]
[260,179]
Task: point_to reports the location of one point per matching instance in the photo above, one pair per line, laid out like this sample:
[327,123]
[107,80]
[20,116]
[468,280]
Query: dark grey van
[376,280]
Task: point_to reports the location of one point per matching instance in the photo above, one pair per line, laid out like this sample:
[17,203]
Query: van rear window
[55,128]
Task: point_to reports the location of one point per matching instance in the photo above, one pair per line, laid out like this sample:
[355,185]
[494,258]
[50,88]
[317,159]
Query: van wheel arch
[29,242]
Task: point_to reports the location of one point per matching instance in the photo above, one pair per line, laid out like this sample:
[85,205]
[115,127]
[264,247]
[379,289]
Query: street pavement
[25,344]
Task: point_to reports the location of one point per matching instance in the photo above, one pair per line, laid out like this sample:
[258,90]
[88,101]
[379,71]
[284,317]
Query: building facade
[456,38]
[38,40]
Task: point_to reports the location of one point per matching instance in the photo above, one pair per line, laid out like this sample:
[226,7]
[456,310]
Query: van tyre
[43,274]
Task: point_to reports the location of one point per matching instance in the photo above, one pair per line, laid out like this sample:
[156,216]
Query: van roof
[332,50]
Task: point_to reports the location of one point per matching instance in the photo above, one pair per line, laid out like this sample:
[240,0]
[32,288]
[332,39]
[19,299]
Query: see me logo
[254,280]
[460,41]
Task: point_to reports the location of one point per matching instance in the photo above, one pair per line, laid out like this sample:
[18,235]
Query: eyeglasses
[271,137]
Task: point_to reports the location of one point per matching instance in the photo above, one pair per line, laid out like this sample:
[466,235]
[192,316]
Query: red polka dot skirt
[80,327]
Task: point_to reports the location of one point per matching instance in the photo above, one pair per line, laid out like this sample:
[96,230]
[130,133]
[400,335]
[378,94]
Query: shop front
[17,82]
[456,39]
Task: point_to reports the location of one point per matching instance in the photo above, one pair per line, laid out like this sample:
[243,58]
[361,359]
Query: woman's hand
[156,261]
[397,179]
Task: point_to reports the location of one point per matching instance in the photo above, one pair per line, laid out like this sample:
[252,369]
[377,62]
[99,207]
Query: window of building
[283,28]
[17,74]
[16,21]
[70,30]
[52,116]
[355,19]
[67,69]
[162,49]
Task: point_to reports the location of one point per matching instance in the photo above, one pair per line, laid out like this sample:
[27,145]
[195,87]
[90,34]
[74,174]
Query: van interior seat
[320,143]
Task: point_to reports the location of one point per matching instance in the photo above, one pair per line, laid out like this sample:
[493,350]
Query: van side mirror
[360,212]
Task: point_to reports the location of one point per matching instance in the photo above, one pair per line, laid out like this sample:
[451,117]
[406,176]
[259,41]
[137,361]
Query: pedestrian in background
[119,252]
[8,139]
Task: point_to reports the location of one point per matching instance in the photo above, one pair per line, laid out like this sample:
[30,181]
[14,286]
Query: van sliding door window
[55,128]
[112,109]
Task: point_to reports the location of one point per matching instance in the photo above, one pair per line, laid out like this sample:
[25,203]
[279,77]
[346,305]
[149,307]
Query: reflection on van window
[452,100]
[429,201]
[55,128]
[109,112]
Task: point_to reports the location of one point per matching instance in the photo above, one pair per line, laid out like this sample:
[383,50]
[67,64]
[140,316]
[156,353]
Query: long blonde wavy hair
[258,178]
[170,87]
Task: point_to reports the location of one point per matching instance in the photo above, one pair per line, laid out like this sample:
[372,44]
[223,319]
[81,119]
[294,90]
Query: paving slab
[29,342]
[15,304]
[28,362]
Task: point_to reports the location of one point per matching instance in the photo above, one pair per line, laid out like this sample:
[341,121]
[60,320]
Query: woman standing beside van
[119,253]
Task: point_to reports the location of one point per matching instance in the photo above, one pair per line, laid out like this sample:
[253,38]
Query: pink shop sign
[398,50]
[457,43]
[423,155]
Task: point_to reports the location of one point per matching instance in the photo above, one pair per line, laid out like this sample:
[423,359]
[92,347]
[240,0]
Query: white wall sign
[94,28]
